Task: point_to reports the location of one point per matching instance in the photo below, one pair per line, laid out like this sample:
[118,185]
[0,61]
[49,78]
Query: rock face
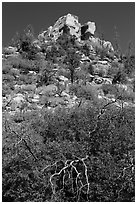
[87,30]
[64,24]
[96,42]
[69,24]
[108,45]
[45,35]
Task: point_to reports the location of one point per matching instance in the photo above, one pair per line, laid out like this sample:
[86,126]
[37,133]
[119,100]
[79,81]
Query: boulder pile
[70,24]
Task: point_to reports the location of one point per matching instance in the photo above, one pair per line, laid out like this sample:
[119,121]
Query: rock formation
[64,24]
[87,30]
[70,24]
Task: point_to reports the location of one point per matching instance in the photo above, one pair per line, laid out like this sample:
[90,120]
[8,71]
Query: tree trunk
[72,76]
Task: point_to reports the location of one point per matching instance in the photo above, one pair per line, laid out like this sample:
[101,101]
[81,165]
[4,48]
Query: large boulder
[87,30]
[37,44]
[18,102]
[107,45]
[28,87]
[62,78]
[65,24]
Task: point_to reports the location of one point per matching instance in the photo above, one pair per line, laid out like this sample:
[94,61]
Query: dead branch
[21,139]
[69,167]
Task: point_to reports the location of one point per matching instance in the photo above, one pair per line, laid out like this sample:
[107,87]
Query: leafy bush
[24,43]
[46,73]
[101,51]
[51,139]
[129,65]
[72,60]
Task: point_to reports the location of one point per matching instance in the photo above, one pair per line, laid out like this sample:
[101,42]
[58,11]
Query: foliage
[117,72]
[24,43]
[129,65]
[86,92]
[72,60]
[80,153]
[86,49]
[68,136]
[24,65]
[101,51]
[117,47]
[46,72]
[119,77]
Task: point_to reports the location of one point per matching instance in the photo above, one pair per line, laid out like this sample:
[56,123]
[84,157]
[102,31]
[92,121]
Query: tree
[72,59]
[24,43]
[129,63]
[120,77]
[117,42]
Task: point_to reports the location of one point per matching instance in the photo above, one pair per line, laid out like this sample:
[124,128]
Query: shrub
[68,135]
[101,51]
[129,65]
[24,43]
[46,73]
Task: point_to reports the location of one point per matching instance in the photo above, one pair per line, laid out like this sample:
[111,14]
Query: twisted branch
[21,140]
[69,166]
[101,112]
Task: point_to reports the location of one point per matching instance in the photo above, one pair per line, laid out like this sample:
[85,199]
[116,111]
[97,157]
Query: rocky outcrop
[101,44]
[69,24]
[42,37]
[65,24]
[87,30]
[9,52]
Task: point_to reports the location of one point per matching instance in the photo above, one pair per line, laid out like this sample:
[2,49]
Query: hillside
[68,116]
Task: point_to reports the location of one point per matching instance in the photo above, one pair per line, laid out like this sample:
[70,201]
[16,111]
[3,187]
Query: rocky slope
[95,54]
[68,117]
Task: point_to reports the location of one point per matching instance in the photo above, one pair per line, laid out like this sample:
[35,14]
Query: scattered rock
[98,80]
[62,78]
[47,90]
[32,73]
[18,102]
[64,94]
[101,69]
[28,87]
[10,50]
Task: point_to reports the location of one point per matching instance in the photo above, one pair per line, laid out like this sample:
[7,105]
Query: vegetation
[75,155]
[82,153]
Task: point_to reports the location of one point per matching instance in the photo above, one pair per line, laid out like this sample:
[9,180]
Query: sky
[106,15]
